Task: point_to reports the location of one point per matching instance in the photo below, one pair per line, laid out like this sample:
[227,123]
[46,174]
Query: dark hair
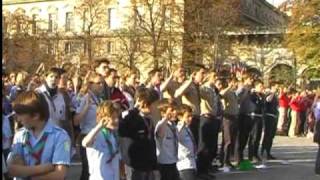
[99,61]
[110,71]
[144,94]
[30,102]
[54,70]
[164,104]
[183,109]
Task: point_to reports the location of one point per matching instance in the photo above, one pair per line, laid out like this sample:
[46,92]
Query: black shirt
[141,148]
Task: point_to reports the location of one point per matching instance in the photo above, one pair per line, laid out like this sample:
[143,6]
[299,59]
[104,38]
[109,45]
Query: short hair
[110,71]
[106,109]
[164,104]
[30,102]
[183,109]
[153,72]
[144,94]
[54,70]
[99,61]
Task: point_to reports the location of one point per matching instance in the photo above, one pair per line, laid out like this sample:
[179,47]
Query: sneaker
[225,169]
[270,157]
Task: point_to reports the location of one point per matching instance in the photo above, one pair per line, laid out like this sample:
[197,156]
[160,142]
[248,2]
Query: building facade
[77,31]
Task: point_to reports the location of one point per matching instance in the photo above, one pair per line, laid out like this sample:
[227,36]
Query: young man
[270,121]
[257,97]
[136,132]
[101,66]
[230,124]
[56,103]
[40,150]
[86,114]
[167,141]
[114,93]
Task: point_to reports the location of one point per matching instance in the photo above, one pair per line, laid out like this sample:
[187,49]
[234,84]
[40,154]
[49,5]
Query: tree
[205,24]
[303,35]
[93,14]
[23,48]
[151,20]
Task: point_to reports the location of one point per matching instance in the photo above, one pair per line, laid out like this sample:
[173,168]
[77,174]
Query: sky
[276,3]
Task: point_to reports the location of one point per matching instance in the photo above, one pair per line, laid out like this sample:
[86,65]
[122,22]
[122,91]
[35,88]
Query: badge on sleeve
[67,146]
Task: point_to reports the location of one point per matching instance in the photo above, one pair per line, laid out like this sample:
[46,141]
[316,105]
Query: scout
[40,149]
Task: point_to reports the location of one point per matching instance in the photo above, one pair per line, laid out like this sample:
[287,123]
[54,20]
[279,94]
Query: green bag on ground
[245,165]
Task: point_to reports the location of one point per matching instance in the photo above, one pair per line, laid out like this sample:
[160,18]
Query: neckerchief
[94,98]
[37,150]
[113,151]
[148,124]
[173,129]
[192,139]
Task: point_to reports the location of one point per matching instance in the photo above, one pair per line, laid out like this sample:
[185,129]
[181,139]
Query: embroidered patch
[67,146]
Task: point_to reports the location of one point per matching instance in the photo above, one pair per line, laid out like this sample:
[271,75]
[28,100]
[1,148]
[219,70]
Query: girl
[101,144]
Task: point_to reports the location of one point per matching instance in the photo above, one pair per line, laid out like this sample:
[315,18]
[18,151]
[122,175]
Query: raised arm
[89,139]
[182,89]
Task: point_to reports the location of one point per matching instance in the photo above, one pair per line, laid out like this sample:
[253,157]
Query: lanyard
[96,102]
[192,139]
[113,151]
[174,132]
[37,150]
[51,101]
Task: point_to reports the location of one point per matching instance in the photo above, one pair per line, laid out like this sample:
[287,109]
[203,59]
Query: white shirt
[57,105]
[186,148]
[167,152]
[98,155]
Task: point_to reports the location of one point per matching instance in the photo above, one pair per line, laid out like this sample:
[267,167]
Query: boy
[167,141]
[101,144]
[138,148]
[187,148]
[40,150]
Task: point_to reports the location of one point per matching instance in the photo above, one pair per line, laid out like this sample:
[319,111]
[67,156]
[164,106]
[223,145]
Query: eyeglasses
[99,83]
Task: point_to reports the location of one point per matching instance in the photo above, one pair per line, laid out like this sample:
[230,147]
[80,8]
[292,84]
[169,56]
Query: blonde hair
[106,109]
[90,77]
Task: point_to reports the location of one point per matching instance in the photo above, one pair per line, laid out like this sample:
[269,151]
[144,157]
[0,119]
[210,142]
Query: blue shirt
[6,132]
[316,111]
[98,155]
[89,120]
[56,150]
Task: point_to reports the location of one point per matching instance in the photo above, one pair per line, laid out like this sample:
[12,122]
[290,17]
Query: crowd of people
[165,128]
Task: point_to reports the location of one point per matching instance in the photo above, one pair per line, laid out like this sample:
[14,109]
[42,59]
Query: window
[84,20]
[67,47]
[68,21]
[111,47]
[50,23]
[34,23]
[50,49]
[114,22]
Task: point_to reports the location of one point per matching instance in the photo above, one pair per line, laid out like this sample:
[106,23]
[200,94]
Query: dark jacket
[139,150]
[317,132]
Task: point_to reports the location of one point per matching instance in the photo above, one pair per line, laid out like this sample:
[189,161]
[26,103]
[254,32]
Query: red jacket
[296,104]
[284,100]
[119,97]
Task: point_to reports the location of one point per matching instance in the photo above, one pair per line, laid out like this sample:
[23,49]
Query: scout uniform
[187,152]
[167,150]
[52,146]
[104,156]
[86,125]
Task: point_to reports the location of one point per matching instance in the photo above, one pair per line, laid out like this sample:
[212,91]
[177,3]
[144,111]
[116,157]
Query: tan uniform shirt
[191,97]
[209,100]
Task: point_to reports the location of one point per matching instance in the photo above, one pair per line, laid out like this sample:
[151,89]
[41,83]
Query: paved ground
[296,157]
